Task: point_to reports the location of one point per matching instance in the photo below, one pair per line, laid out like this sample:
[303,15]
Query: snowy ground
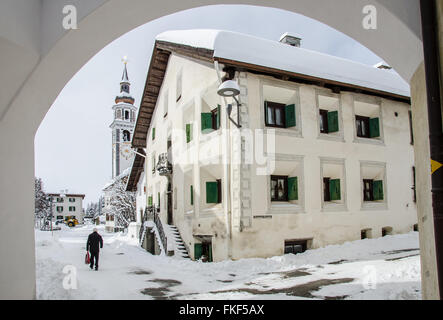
[385,268]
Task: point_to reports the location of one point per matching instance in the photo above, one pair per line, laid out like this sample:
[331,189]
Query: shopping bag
[87,258]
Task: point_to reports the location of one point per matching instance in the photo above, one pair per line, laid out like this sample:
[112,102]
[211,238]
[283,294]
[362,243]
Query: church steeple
[124,95]
[123,126]
[125,84]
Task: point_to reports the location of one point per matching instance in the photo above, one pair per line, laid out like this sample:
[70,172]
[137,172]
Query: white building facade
[64,205]
[323,155]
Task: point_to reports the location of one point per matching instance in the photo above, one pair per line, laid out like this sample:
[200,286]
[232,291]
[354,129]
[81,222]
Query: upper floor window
[127,115]
[284,188]
[279,115]
[279,106]
[213,191]
[367,120]
[71,199]
[328,121]
[211,120]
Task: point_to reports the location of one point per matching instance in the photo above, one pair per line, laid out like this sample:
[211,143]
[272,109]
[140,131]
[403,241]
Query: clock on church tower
[123,126]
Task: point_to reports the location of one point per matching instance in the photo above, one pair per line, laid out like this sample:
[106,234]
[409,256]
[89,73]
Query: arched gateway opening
[55,55]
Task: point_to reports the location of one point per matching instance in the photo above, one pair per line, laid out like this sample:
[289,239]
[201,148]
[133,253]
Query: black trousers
[94,256]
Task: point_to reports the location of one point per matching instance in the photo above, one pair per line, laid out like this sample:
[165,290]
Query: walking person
[93,245]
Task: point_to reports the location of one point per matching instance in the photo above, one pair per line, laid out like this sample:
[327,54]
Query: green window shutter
[334,189]
[188,132]
[150,200]
[377,190]
[192,195]
[198,251]
[217,120]
[333,121]
[153,133]
[374,128]
[211,192]
[293,188]
[158,198]
[206,121]
[290,116]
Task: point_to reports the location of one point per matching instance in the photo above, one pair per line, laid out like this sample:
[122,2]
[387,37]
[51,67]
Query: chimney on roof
[383,65]
[291,39]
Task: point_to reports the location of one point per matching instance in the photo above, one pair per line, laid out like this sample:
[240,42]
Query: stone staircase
[180,248]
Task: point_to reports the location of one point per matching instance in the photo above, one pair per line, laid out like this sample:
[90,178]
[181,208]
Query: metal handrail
[151,215]
[161,232]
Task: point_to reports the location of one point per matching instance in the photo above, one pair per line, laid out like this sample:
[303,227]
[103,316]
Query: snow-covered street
[385,268]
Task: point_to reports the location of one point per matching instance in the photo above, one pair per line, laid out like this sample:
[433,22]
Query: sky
[73,143]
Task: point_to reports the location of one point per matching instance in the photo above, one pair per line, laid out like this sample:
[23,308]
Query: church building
[122,128]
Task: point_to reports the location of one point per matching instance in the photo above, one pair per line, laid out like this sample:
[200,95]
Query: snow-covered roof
[276,55]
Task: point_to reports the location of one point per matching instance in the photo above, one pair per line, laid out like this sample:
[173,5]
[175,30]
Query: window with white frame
[280,106]
[368,124]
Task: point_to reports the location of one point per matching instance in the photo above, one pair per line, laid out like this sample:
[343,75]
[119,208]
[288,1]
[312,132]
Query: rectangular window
[210,121]
[331,189]
[192,195]
[213,191]
[367,127]
[71,199]
[153,133]
[295,247]
[71,209]
[279,188]
[372,190]
[368,186]
[411,132]
[150,201]
[275,114]
[59,217]
[324,121]
[328,121]
[59,199]
[326,192]
[59,209]
[362,124]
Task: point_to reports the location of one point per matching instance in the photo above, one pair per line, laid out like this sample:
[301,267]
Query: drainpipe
[434,86]
[227,171]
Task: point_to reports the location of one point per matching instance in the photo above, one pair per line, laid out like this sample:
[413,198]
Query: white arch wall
[43,57]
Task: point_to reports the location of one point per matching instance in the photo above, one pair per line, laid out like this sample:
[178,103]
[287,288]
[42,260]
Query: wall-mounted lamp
[230,88]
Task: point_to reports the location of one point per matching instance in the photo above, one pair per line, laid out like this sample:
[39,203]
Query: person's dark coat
[94,243]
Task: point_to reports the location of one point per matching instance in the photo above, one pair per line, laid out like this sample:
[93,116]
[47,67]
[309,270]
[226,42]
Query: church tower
[123,127]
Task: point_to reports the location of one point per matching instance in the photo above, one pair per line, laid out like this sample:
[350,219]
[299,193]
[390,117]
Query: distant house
[68,204]
[339,166]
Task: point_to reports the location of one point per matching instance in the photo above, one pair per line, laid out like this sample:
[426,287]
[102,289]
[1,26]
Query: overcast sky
[73,144]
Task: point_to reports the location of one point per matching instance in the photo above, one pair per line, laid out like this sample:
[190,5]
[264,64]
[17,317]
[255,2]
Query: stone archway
[43,57]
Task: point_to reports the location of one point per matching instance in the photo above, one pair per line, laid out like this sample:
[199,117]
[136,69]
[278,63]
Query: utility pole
[434,86]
